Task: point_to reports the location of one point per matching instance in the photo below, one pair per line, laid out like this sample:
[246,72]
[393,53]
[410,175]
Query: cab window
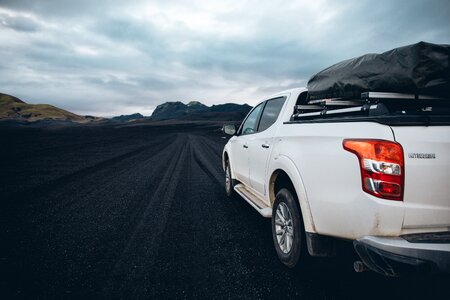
[270,113]
[251,122]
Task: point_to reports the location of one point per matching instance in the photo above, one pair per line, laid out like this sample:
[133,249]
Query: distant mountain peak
[128,118]
[195,103]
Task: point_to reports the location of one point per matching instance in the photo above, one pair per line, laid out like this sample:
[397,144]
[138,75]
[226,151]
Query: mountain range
[14,109]
[195,110]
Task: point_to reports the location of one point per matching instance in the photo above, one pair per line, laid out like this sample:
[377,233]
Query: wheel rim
[228,179]
[284,228]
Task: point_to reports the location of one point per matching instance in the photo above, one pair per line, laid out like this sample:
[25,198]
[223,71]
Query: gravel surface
[141,212]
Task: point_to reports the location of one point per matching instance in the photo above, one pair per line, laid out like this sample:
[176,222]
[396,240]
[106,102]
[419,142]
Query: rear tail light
[381,164]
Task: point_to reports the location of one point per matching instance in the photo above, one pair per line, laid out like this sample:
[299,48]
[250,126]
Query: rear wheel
[287,228]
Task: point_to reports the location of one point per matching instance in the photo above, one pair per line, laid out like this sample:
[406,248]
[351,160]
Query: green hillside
[12,108]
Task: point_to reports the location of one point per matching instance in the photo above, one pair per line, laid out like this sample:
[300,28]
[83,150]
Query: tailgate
[427,176]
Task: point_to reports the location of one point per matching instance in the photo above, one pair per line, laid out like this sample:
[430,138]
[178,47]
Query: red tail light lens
[381,164]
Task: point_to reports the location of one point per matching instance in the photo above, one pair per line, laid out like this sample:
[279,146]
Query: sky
[115,57]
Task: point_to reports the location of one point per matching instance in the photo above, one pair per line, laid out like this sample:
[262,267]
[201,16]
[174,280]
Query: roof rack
[327,104]
[373,103]
[337,102]
[301,113]
[368,96]
[322,106]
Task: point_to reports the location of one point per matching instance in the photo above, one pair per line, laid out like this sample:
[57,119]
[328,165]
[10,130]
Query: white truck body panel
[427,176]
[327,178]
[240,167]
[333,182]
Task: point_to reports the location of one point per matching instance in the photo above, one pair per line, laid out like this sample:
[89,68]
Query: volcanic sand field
[140,211]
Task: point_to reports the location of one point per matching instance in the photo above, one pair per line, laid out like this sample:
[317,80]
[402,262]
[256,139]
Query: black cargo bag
[421,68]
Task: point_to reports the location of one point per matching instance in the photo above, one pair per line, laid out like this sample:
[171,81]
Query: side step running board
[253,200]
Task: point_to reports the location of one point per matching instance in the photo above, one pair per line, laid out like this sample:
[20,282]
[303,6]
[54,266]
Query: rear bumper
[393,256]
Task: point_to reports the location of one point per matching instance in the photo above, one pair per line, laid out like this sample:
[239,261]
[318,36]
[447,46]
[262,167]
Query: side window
[251,122]
[270,113]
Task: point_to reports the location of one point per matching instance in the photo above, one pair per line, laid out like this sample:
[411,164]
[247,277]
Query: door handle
[245,146]
[265,145]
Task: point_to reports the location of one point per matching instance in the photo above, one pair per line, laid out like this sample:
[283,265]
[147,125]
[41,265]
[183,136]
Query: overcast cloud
[118,57]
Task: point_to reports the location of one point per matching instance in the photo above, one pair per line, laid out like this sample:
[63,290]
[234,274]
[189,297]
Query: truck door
[240,147]
[260,144]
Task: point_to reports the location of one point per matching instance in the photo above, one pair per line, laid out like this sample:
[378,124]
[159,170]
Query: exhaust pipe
[359,266]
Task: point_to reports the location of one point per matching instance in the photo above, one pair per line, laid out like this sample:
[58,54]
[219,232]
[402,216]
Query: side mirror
[229,129]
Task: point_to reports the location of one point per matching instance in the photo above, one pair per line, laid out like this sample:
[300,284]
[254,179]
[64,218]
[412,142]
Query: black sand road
[141,212]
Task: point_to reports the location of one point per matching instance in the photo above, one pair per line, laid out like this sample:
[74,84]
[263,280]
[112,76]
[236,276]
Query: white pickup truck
[360,172]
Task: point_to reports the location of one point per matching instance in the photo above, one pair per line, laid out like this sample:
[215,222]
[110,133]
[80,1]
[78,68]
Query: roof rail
[337,102]
[368,96]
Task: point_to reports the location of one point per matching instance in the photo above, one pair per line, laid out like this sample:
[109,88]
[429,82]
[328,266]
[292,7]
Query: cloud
[57,9]
[113,57]
[19,23]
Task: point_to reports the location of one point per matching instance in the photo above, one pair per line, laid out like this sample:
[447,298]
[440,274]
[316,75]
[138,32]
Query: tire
[287,229]
[229,182]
